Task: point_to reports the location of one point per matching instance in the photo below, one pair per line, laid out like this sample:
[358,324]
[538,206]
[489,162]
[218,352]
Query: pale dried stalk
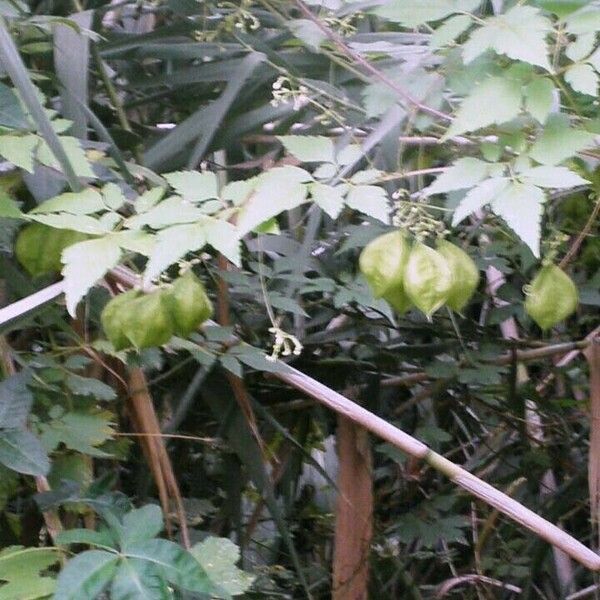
[410,446]
[449,585]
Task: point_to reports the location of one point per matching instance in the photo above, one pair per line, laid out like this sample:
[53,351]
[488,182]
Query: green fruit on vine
[427,278]
[39,247]
[189,304]
[465,274]
[149,321]
[383,261]
[398,300]
[552,297]
[115,316]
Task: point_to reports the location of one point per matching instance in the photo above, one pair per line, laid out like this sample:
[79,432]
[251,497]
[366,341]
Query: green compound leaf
[21,451]
[218,557]
[520,34]
[86,575]
[496,100]
[20,573]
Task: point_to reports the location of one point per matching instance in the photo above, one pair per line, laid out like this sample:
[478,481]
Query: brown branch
[353,513]
[237,385]
[146,421]
[565,348]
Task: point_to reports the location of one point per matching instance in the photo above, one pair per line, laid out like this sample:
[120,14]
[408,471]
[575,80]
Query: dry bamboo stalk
[407,444]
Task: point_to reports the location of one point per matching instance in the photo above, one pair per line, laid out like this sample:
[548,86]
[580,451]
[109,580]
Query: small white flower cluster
[284,92]
[285,344]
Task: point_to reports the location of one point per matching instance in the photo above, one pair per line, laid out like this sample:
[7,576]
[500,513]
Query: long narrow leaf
[17,71]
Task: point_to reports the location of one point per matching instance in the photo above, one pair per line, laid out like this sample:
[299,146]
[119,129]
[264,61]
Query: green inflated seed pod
[551,297]
[115,316]
[39,247]
[427,278]
[465,274]
[189,304]
[383,261]
[150,322]
[398,300]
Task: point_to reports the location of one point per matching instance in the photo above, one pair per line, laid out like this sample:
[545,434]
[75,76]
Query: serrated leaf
[21,451]
[88,386]
[464,173]
[82,223]
[237,192]
[583,79]
[279,189]
[11,111]
[194,186]
[148,199]
[86,202]
[142,523]
[15,401]
[224,238]
[84,264]
[559,141]
[307,31]
[309,148]
[328,198]
[521,206]
[178,566]
[74,152]
[449,30]
[85,536]
[138,241]
[496,100]
[520,34]
[171,211]
[218,557]
[594,60]
[80,431]
[171,245]
[539,98]
[370,200]
[86,575]
[20,570]
[552,177]
[586,20]
[19,149]
[581,47]
[412,13]
[113,196]
[478,197]
[139,580]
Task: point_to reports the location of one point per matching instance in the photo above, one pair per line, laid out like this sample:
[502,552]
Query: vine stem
[582,235]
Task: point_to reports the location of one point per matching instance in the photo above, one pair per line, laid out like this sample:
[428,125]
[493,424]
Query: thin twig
[360,60]
[582,235]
